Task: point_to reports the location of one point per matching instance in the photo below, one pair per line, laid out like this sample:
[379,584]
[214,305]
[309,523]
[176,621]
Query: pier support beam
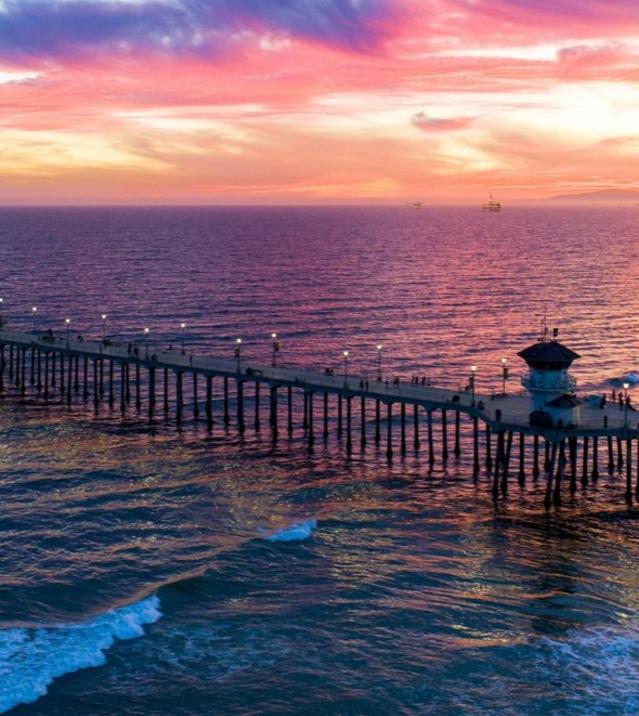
[257,406]
[611,457]
[362,422]
[179,396]
[138,400]
[122,393]
[535,469]
[127,389]
[311,420]
[506,465]
[476,465]
[499,460]
[619,454]
[416,441]
[339,416]
[349,435]
[325,417]
[151,405]
[227,416]
[629,471]
[240,406]
[96,385]
[595,458]
[403,429]
[378,434]
[111,382]
[273,411]
[62,373]
[166,390]
[457,448]
[560,472]
[550,468]
[289,406]
[489,454]
[196,404]
[209,403]
[572,446]
[389,432]
[431,441]
[444,435]
[46,376]
[521,475]
[584,463]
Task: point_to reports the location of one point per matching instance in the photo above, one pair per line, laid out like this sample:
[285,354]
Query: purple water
[232,575]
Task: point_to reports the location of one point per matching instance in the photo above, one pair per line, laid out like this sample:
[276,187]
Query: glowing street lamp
[104,320]
[625,404]
[34,313]
[1,313]
[473,370]
[379,362]
[183,328]
[146,342]
[345,354]
[238,352]
[67,324]
[275,349]
[504,375]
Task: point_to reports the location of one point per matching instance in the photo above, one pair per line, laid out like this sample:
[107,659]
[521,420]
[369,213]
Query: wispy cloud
[64,29]
[425,122]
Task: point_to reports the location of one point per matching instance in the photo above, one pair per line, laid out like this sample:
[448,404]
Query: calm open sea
[155,572]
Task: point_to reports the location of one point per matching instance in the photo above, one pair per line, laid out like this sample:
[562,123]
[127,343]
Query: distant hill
[605,196]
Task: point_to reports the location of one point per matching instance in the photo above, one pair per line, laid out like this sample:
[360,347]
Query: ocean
[152,570]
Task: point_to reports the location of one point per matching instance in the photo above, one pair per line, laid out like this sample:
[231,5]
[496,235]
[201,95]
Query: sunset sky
[299,101]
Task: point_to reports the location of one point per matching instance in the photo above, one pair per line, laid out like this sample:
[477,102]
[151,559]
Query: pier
[549,432]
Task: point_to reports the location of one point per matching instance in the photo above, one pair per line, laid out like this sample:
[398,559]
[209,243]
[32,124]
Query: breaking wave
[296,531]
[31,659]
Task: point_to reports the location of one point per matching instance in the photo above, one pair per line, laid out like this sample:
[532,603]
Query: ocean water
[156,571]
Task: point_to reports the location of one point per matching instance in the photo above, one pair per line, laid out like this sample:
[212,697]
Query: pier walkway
[54,365]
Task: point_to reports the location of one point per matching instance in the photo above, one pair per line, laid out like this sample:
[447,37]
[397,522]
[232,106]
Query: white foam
[30,659]
[603,664]
[296,531]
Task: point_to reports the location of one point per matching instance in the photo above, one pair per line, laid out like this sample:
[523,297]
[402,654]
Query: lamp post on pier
[104,320]
[146,343]
[473,370]
[1,313]
[238,352]
[625,405]
[504,375]
[275,349]
[67,324]
[183,335]
[345,354]
[379,362]
[34,313]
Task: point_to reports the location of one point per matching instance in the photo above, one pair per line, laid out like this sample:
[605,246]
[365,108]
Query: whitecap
[296,531]
[603,664]
[31,659]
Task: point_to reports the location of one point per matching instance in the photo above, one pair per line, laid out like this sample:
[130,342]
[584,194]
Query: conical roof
[548,355]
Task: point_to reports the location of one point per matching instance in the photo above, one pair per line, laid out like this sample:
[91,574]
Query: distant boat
[491,205]
[417,205]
